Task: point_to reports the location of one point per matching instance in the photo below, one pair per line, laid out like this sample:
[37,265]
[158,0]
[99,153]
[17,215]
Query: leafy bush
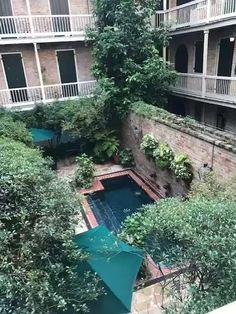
[148,145]
[84,173]
[38,260]
[106,145]
[163,156]
[201,234]
[15,130]
[181,166]
[126,158]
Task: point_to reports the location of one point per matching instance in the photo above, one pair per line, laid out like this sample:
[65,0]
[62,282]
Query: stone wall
[202,149]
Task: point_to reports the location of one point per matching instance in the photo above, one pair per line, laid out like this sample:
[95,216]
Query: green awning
[42,135]
[116,263]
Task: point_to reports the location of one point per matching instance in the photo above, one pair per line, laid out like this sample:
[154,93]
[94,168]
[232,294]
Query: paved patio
[147,300]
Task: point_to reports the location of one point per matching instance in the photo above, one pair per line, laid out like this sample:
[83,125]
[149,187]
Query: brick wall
[42,7]
[48,61]
[199,150]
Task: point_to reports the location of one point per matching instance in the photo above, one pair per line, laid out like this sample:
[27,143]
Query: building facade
[44,55]
[203,52]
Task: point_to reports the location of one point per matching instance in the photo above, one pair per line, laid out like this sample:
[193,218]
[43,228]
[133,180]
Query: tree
[198,235]
[38,260]
[126,51]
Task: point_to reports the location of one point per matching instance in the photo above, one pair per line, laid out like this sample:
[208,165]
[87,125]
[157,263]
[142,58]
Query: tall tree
[126,51]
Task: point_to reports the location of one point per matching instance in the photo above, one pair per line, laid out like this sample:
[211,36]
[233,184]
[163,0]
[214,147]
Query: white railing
[188,84]
[198,12]
[48,93]
[212,87]
[44,25]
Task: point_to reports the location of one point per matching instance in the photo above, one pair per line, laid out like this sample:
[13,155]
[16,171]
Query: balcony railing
[198,12]
[218,88]
[13,98]
[31,26]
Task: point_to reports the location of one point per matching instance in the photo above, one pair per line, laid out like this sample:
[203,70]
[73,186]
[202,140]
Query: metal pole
[30,17]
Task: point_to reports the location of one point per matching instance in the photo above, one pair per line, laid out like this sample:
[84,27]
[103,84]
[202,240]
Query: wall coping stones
[186,125]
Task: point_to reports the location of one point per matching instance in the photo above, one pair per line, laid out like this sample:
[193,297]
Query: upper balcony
[211,89]
[28,21]
[199,14]
[43,28]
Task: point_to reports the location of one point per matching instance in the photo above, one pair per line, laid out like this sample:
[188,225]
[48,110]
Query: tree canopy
[127,53]
[38,260]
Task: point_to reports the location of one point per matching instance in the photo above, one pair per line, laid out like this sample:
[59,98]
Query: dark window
[15,76]
[198,111]
[220,120]
[198,67]
[179,2]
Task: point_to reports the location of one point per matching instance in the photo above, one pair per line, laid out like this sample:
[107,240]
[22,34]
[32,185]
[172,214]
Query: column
[205,59]
[30,17]
[39,71]
[164,9]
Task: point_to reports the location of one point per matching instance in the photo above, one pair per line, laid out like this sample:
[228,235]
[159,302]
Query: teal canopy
[116,263]
[42,135]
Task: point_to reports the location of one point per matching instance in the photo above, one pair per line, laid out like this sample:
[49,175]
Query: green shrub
[163,156]
[148,145]
[38,259]
[126,158]
[106,145]
[181,166]
[84,173]
[15,130]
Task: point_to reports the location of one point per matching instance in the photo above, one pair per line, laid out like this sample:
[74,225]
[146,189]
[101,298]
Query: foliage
[181,166]
[38,260]
[126,158]
[211,187]
[84,173]
[126,52]
[148,145]
[189,126]
[106,145]
[15,130]
[199,235]
[163,156]
[81,118]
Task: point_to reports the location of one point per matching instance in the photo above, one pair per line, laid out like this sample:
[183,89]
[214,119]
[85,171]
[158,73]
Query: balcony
[30,28]
[211,88]
[26,98]
[197,13]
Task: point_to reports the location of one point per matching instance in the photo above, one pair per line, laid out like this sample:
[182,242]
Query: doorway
[225,65]
[181,59]
[7,26]
[198,66]
[68,74]
[15,76]
[60,9]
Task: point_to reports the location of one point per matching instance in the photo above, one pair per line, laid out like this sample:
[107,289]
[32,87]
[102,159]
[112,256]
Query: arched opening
[181,59]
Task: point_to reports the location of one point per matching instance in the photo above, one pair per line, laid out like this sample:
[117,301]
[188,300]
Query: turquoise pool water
[121,198]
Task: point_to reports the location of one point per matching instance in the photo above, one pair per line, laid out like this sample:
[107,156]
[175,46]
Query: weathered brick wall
[42,7]
[48,61]
[200,151]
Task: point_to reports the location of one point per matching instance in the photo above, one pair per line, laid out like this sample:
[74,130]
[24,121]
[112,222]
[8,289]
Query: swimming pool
[121,197]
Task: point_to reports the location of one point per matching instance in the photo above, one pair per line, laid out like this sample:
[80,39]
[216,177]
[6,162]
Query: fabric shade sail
[116,263]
